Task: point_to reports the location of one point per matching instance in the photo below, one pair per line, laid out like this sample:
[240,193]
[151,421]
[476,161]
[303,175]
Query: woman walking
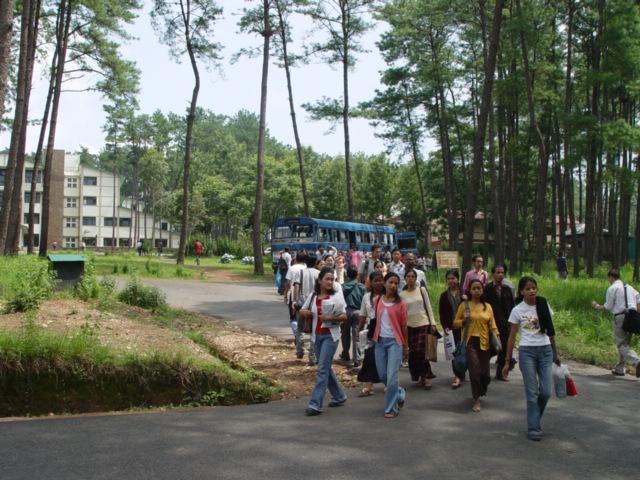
[477,317]
[448,306]
[369,373]
[326,310]
[537,351]
[420,323]
[340,271]
[390,336]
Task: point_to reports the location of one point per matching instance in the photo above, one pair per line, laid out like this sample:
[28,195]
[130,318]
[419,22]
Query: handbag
[631,323]
[304,324]
[460,355]
[495,342]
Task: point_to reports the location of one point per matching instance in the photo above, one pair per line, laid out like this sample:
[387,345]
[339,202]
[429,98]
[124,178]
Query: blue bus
[407,242]
[303,233]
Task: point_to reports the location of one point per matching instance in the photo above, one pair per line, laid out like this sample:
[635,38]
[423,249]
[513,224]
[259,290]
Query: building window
[71,202]
[36,218]
[72,182]
[71,222]
[107,242]
[90,181]
[70,242]
[109,221]
[3,173]
[164,226]
[89,221]
[125,222]
[89,200]
[27,197]
[89,241]
[36,240]
[28,176]
[123,242]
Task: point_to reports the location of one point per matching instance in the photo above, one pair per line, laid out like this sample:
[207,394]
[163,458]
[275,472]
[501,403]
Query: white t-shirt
[526,317]
[286,256]
[367,307]
[386,330]
[292,277]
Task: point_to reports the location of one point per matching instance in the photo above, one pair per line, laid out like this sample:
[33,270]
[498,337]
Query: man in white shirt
[286,256]
[366,266]
[620,297]
[292,298]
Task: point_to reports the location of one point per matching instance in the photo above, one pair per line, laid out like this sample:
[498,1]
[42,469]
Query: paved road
[592,436]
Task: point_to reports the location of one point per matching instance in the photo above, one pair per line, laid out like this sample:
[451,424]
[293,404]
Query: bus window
[282,232]
[359,237]
[303,232]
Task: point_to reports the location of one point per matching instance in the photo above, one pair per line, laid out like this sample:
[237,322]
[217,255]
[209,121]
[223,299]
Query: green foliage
[88,287]
[148,297]
[25,281]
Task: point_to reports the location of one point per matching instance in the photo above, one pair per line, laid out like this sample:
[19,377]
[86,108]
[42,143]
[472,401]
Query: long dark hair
[372,276]
[321,275]
[386,278]
[468,292]
[523,283]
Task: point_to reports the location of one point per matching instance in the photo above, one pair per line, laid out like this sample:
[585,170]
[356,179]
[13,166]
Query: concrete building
[87,208]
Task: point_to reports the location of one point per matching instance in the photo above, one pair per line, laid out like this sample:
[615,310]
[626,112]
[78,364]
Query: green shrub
[25,282]
[88,287]
[144,296]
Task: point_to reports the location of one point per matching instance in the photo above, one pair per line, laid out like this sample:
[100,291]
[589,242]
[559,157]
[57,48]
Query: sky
[167,86]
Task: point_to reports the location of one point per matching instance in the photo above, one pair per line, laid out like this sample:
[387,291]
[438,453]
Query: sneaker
[333,403]
[312,412]
[621,374]
[638,370]
[534,437]
[300,355]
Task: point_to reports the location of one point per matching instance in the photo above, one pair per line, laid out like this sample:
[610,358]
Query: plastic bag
[572,390]
[449,345]
[363,342]
[560,375]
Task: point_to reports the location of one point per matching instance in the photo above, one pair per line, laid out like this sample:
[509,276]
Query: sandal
[456,385]
[391,414]
[427,384]
[366,392]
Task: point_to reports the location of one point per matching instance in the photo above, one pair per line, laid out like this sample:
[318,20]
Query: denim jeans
[535,365]
[325,348]
[388,361]
[297,334]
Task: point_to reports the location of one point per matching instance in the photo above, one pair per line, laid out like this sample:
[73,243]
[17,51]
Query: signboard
[446,260]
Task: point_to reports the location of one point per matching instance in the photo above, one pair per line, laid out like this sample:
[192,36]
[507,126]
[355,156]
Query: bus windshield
[302,232]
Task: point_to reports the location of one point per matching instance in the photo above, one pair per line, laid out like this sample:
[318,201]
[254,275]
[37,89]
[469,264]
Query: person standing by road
[500,297]
[478,315]
[477,273]
[561,265]
[367,265]
[448,306]
[293,299]
[390,336]
[619,298]
[537,351]
[198,249]
[420,323]
[326,310]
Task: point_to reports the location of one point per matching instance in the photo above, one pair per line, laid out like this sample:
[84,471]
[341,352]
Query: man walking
[500,297]
[198,249]
[366,267]
[293,299]
[619,298]
[353,292]
[396,266]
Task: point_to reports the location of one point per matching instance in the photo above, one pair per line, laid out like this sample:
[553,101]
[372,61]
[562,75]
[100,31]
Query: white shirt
[287,258]
[386,330]
[615,301]
[367,306]
[526,317]
[397,268]
[292,276]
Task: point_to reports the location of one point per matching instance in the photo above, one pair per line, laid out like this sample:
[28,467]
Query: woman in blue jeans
[327,310]
[390,335]
[531,317]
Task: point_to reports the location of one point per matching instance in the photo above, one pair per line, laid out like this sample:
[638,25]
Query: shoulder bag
[460,355]
[304,325]
[631,322]
[431,352]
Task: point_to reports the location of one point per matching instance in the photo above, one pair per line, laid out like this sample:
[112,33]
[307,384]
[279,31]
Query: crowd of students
[381,313]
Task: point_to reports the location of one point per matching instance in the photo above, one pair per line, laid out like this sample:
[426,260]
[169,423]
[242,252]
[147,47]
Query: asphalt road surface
[592,436]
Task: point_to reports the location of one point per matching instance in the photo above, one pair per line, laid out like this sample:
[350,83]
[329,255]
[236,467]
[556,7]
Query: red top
[320,330]
[197,247]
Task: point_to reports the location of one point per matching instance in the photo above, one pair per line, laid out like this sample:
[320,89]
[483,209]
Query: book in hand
[330,309]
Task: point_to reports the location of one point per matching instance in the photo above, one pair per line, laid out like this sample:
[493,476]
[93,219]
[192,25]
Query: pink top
[355,259]
[398,317]
[472,275]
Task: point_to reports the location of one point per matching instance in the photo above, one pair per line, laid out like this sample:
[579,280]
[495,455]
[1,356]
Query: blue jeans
[388,361]
[325,348]
[535,365]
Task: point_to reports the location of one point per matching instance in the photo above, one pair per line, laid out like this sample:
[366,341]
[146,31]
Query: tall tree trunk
[62,40]
[191,117]
[636,263]
[559,182]
[478,144]
[294,122]
[114,210]
[345,110]
[38,156]
[498,231]
[543,161]
[14,229]
[6,32]
[258,265]
[19,127]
